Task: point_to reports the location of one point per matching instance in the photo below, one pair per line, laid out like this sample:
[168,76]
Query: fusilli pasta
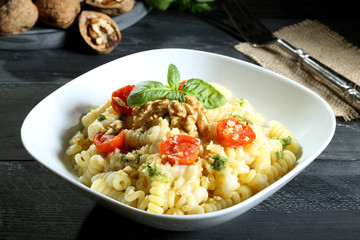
[139,174]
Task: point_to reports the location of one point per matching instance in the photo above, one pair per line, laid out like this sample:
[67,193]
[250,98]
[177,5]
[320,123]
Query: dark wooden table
[323,202]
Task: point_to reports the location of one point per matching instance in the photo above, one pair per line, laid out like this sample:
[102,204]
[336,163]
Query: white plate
[48,127]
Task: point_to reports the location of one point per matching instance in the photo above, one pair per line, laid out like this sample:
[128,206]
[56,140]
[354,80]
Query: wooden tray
[44,37]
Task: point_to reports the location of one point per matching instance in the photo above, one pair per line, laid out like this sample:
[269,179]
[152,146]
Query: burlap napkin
[321,43]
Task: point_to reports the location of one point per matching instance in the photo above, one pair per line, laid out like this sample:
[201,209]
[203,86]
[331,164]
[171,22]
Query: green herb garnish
[204,92]
[279,155]
[173,77]
[146,91]
[220,162]
[101,118]
[286,141]
[131,160]
[124,159]
[137,157]
[154,170]
[112,131]
[152,90]
[241,101]
[238,117]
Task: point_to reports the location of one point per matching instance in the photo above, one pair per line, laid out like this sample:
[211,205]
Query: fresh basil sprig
[146,91]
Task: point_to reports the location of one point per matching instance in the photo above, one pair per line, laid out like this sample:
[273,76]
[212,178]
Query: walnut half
[99,31]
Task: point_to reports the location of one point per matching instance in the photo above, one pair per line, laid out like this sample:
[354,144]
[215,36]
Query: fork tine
[232,12]
[246,22]
[251,17]
[218,22]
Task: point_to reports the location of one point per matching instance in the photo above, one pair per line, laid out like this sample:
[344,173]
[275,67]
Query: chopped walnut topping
[235,136]
[117,125]
[183,117]
[202,120]
[191,117]
[230,123]
[148,114]
[228,130]
[238,127]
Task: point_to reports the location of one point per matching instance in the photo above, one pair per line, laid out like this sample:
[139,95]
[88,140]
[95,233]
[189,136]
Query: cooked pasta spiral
[157,197]
[278,130]
[282,166]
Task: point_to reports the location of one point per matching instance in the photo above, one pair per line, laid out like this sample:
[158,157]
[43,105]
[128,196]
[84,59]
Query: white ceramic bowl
[48,127]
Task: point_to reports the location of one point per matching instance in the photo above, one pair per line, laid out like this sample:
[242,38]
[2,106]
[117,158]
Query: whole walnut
[17,16]
[58,13]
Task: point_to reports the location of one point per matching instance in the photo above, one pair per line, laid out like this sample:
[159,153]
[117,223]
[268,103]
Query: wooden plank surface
[323,202]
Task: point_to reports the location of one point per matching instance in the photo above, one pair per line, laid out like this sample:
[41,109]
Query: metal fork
[254,32]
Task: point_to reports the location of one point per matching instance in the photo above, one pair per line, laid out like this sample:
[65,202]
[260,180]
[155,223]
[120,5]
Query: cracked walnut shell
[99,31]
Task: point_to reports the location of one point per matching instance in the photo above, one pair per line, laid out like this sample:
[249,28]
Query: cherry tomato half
[119,100]
[106,143]
[181,84]
[180,149]
[232,132]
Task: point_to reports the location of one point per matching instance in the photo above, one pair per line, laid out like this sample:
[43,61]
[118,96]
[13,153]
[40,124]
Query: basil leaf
[173,77]
[146,91]
[204,92]
[176,95]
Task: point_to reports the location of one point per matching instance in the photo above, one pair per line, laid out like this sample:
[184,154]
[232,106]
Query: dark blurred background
[347,9]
